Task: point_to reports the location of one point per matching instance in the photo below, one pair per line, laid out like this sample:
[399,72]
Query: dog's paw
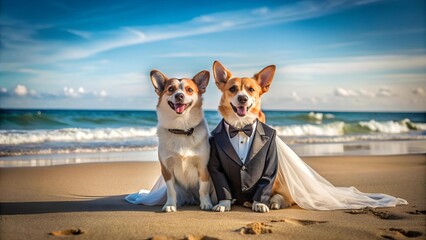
[206,206]
[206,203]
[224,205]
[168,208]
[218,208]
[274,206]
[260,207]
[277,202]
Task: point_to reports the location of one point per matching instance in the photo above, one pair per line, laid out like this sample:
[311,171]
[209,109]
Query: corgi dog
[240,105]
[183,147]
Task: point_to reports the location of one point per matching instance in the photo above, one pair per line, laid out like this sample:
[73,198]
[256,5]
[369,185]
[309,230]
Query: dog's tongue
[179,108]
[242,111]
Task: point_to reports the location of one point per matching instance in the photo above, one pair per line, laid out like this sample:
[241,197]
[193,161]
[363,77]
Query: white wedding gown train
[307,188]
[157,195]
[311,191]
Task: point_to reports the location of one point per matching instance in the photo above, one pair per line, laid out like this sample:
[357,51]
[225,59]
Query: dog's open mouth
[179,108]
[241,110]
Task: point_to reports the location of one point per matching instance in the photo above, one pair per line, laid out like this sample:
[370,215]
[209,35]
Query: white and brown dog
[243,162]
[183,148]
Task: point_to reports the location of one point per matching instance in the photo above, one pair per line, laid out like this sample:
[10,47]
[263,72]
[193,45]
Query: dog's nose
[179,97]
[242,99]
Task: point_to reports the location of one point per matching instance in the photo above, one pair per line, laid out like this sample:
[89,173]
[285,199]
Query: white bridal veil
[311,191]
[157,195]
[307,188]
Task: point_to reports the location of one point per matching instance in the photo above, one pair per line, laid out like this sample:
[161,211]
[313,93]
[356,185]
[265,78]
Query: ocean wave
[352,138]
[320,116]
[331,129]
[414,126]
[311,117]
[6,153]
[342,128]
[16,137]
[54,119]
[392,127]
[31,119]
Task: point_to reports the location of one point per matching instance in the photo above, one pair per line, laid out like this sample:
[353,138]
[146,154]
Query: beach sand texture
[87,200]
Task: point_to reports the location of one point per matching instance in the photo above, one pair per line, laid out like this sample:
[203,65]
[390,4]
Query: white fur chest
[184,154]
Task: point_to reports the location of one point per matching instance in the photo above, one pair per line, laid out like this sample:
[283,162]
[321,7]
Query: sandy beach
[36,201]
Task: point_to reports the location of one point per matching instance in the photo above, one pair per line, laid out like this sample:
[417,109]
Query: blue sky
[356,55]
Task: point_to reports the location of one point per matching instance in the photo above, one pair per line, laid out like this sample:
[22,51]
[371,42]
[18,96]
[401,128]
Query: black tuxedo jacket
[251,181]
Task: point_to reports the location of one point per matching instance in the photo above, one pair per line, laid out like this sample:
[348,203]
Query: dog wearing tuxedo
[243,158]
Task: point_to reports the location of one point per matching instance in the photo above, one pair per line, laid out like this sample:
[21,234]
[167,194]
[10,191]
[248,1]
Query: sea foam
[16,137]
[392,126]
[331,129]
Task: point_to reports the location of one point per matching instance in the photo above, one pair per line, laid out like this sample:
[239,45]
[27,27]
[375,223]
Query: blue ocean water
[27,132]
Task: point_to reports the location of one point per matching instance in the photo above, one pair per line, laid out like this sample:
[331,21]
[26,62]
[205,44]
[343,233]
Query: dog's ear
[158,80]
[202,80]
[221,74]
[264,77]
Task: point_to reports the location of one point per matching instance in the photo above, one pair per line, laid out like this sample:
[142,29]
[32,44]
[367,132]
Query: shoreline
[89,197]
[370,148]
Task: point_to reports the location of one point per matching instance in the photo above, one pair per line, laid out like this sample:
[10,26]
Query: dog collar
[180,131]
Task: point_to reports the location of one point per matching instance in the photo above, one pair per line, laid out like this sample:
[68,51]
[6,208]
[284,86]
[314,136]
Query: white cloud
[82,34]
[419,91]
[103,93]
[357,65]
[341,92]
[81,90]
[295,96]
[384,92]
[405,77]
[365,93]
[261,11]
[69,92]
[21,90]
[314,100]
[33,71]
[204,19]
[74,93]
[362,93]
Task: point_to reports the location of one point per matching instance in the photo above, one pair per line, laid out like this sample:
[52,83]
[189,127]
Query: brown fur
[204,175]
[174,83]
[280,187]
[260,83]
[165,172]
[240,83]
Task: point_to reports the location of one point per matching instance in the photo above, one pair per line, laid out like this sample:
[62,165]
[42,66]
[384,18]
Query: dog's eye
[190,90]
[233,89]
[170,89]
[251,89]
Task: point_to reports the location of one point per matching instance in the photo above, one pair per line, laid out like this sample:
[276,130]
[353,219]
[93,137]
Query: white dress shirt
[241,142]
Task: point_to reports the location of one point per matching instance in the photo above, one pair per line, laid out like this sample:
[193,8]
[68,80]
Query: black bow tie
[247,129]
